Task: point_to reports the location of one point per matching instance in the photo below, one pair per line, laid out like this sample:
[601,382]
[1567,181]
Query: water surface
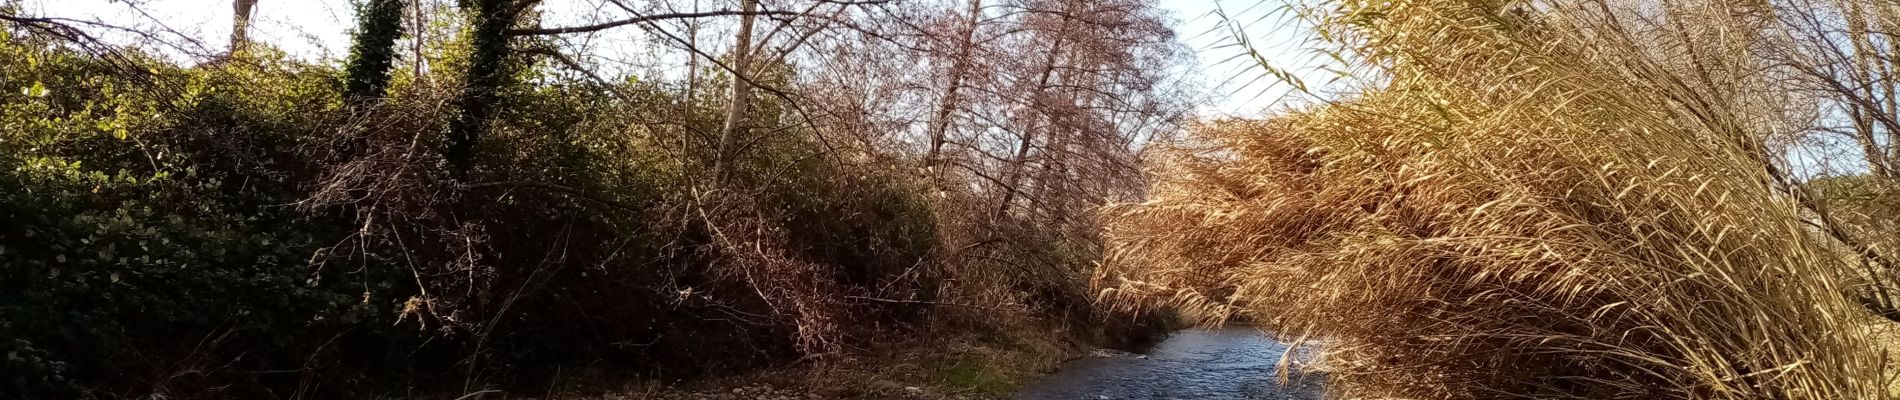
[1230,363]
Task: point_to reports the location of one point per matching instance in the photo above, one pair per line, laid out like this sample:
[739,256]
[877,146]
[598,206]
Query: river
[1229,363]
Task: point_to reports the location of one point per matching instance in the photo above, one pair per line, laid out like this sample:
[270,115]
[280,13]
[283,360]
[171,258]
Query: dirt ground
[963,367]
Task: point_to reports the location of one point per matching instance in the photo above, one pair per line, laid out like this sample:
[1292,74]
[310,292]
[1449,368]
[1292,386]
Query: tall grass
[1512,212]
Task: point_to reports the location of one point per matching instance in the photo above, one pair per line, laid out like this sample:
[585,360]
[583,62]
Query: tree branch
[640,19]
[558,188]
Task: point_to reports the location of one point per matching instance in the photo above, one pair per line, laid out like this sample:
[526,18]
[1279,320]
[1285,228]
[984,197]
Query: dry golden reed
[1507,215]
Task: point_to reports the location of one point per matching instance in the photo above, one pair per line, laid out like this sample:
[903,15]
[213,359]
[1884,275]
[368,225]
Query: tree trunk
[486,73]
[242,10]
[366,73]
[1017,163]
[419,37]
[740,103]
[959,67]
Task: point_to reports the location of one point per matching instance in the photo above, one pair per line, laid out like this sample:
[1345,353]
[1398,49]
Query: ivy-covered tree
[372,51]
[489,21]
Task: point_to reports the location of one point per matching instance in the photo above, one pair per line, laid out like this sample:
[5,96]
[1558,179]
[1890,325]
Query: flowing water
[1230,363]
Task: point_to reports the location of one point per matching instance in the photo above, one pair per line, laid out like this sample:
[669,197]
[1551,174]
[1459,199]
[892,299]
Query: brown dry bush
[1505,216]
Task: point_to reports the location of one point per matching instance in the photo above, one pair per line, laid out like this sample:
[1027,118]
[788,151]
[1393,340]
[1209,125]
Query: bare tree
[959,70]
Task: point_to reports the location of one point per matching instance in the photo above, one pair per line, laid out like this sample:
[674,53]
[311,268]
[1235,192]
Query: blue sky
[317,29]
[1238,85]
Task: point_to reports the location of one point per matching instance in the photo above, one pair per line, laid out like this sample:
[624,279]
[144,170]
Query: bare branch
[645,18]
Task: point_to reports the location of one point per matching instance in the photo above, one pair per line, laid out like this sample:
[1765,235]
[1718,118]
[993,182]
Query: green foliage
[146,213]
[165,236]
[872,226]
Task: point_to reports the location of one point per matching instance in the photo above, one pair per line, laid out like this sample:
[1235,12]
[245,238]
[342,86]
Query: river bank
[966,366]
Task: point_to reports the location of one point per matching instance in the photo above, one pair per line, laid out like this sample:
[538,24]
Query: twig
[642,18]
[558,188]
[934,303]
[476,394]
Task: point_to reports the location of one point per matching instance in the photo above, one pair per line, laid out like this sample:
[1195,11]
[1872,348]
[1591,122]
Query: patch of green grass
[971,373]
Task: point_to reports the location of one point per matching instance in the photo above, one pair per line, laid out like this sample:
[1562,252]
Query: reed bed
[1510,213]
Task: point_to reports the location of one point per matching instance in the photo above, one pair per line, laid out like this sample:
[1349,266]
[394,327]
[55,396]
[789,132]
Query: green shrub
[148,243]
